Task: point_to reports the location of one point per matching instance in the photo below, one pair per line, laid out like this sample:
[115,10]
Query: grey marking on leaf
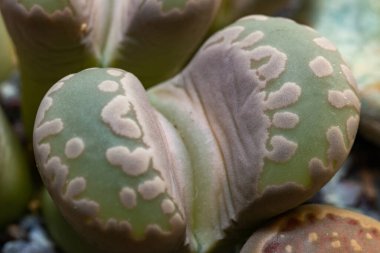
[287,95]
[132,163]
[114,114]
[337,151]
[74,148]
[167,206]
[226,37]
[325,43]
[316,164]
[56,172]
[321,67]
[271,69]
[45,105]
[285,120]
[250,40]
[349,76]
[85,207]
[150,189]
[108,86]
[283,149]
[48,128]
[341,99]
[128,197]
[75,187]
[352,126]
[114,72]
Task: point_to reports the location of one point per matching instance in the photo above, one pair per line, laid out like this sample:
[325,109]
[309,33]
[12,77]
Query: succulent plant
[151,38]
[317,228]
[15,179]
[266,110]
[359,42]
[6,53]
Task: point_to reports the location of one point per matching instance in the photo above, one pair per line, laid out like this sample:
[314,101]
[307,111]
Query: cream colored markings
[313,237]
[74,148]
[287,95]
[355,246]
[45,105]
[321,67]
[325,43]
[288,248]
[54,170]
[336,244]
[135,162]
[368,236]
[57,173]
[283,149]
[352,126]
[285,120]
[336,152]
[48,128]
[113,114]
[132,163]
[270,70]
[346,98]
[150,189]
[86,207]
[167,206]
[256,18]
[250,40]
[128,197]
[226,37]
[114,72]
[349,77]
[108,86]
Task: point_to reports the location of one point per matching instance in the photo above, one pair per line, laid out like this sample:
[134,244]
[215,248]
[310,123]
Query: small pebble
[33,240]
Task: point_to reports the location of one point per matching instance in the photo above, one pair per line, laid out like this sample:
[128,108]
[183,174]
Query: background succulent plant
[151,38]
[317,228]
[353,26]
[267,110]
[15,181]
[7,56]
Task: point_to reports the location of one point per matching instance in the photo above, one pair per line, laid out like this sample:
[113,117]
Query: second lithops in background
[266,111]
[15,180]
[317,228]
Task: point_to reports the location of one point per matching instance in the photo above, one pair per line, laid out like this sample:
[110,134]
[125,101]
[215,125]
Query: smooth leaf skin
[7,57]
[353,27]
[66,238]
[48,46]
[15,179]
[315,229]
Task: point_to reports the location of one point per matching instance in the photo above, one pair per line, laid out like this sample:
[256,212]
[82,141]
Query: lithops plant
[151,38]
[317,228]
[15,179]
[266,111]
[353,26]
